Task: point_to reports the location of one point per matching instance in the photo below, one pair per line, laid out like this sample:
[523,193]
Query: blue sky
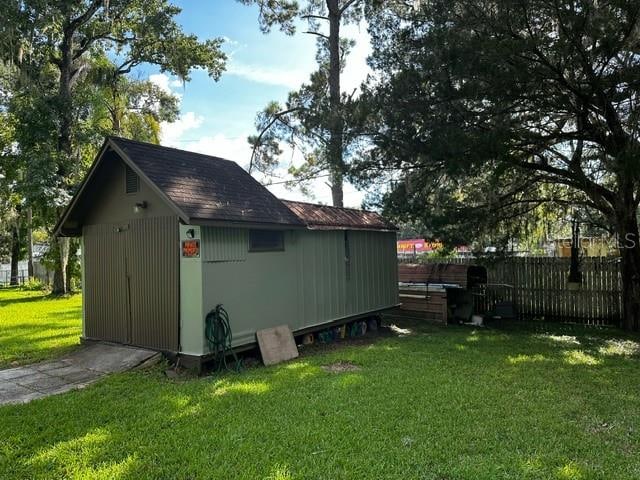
[216,117]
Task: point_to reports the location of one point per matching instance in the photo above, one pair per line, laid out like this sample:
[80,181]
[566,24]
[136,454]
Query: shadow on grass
[13,301]
[23,296]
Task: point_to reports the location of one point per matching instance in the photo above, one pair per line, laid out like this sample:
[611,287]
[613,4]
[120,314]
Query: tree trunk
[629,243]
[30,270]
[61,246]
[67,276]
[70,264]
[65,148]
[116,126]
[337,194]
[336,127]
[58,284]
[15,255]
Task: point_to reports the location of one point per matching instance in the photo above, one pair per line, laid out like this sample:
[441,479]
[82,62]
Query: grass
[433,403]
[34,327]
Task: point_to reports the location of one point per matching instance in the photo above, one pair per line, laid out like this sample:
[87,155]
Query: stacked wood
[434,273]
[427,304]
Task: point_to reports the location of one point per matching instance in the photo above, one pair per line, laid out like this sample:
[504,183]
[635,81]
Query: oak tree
[488,108]
[59,37]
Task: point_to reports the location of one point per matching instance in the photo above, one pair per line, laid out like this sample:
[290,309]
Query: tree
[302,124]
[43,35]
[126,106]
[488,109]
[10,205]
[308,115]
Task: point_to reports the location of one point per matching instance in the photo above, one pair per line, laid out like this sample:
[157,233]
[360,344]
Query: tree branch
[277,116]
[347,5]
[319,17]
[310,32]
[600,195]
[86,16]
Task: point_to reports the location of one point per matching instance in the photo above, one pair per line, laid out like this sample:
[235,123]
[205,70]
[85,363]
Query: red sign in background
[418,245]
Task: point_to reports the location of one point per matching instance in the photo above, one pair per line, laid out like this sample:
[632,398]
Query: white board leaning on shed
[276,344]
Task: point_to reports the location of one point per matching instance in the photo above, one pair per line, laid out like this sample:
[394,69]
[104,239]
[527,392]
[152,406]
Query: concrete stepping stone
[77,370]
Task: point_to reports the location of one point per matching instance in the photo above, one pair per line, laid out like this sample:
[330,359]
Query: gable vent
[132,180]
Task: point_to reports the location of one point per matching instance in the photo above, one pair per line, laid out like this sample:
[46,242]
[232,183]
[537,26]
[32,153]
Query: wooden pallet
[434,273]
[429,305]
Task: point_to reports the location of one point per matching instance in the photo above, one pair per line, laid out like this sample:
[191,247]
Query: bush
[33,285]
[76,284]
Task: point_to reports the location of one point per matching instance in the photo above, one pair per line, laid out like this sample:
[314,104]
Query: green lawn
[435,403]
[34,327]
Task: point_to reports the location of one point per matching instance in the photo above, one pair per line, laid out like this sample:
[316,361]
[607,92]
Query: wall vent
[132,180]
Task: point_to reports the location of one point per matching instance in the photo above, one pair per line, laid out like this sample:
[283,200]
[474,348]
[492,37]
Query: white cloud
[161,80]
[182,134]
[320,193]
[230,42]
[167,83]
[268,75]
[172,134]
[219,145]
[355,72]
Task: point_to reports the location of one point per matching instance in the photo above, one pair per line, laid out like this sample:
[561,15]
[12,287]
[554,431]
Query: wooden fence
[537,286]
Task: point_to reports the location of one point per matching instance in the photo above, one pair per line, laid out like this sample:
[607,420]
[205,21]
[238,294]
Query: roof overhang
[346,227]
[63,229]
[253,225]
[59,230]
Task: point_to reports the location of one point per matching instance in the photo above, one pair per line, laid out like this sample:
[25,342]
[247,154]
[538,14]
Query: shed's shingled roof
[206,190]
[326,217]
[205,187]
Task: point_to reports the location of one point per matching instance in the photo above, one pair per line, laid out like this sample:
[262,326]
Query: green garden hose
[218,333]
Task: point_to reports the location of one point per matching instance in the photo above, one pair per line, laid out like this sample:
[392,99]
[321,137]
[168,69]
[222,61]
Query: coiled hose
[218,334]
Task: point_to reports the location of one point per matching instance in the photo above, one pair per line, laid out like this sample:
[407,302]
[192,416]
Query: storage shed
[169,234]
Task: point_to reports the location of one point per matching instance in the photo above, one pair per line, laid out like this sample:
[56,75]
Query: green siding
[257,293]
[305,285]
[322,277]
[374,280]
[109,203]
[224,244]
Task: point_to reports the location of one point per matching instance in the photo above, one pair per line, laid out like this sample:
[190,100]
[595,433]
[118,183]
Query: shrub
[34,284]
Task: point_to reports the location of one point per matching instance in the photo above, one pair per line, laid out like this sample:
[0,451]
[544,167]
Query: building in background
[589,247]
[40,272]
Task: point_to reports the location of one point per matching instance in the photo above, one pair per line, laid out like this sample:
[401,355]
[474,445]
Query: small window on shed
[132,180]
[266,240]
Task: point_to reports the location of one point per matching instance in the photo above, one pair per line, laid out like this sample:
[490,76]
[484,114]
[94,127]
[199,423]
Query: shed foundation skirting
[197,362]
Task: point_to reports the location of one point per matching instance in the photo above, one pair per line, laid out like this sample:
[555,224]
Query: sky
[216,117]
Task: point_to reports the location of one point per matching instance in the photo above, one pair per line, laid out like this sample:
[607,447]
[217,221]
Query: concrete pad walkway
[74,371]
